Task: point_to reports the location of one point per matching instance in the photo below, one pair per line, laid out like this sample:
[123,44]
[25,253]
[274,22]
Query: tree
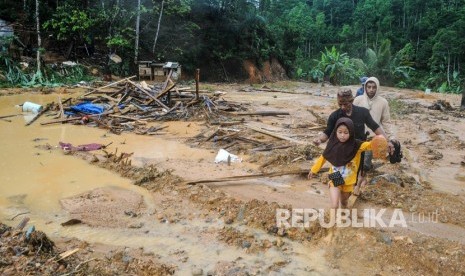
[158,27]
[71,25]
[39,39]
[462,105]
[136,46]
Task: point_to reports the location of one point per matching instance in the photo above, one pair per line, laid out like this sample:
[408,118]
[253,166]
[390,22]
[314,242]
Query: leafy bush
[338,68]
[51,75]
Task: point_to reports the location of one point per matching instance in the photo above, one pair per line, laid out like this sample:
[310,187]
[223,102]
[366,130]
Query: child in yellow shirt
[343,152]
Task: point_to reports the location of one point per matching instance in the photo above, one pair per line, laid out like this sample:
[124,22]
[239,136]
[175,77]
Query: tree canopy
[408,43]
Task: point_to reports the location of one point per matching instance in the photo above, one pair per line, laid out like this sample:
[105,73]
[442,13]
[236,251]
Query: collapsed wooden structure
[128,105]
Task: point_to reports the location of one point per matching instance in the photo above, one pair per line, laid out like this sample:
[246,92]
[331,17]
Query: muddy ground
[229,227]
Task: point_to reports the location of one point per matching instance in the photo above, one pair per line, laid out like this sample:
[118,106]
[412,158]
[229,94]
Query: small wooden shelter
[159,71]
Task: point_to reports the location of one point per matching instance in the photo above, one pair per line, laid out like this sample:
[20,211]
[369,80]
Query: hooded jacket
[378,107]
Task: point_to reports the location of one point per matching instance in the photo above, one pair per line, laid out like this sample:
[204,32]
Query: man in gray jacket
[379,111]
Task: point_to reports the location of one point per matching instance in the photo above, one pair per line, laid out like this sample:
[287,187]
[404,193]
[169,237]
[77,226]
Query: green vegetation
[405,43]
[15,75]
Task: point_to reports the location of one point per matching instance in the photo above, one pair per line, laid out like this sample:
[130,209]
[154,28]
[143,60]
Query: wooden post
[197,79]
[62,112]
[462,104]
[168,78]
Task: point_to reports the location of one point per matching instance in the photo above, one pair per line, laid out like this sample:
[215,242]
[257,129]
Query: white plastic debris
[69,63]
[223,155]
[144,85]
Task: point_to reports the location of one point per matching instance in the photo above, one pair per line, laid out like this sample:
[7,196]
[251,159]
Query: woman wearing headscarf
[343,152]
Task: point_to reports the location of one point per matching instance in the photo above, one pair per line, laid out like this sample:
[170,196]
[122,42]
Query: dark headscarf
[337,153]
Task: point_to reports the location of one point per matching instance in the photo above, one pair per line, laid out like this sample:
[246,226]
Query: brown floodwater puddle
[34,181]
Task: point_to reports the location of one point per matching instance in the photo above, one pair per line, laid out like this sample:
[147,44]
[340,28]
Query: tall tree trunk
[136,47]
[158,27]
[366,38]
[403,24]
[462,105]
[263,5]
[448,68]
[39,40]
[418,42]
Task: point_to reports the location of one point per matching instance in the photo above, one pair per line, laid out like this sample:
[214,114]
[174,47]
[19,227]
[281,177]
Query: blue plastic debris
[29,231]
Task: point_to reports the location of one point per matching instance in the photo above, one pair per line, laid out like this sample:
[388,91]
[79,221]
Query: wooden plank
[8,116]
[212,135]
[150,95]
[75,118]
[232,123]
[166,91]
[317,128]
[113,100]
[68,253]
[197,80]
[279,136]
[62,112]
[22,223]
[165,84]
[270,147]
[124,117]
[38,115]
[248,140]
[176,105]
[194,91]
[273,90]
[261,113]
[109,85]
[233,143]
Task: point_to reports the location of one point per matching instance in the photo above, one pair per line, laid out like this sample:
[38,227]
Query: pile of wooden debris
[125,105]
